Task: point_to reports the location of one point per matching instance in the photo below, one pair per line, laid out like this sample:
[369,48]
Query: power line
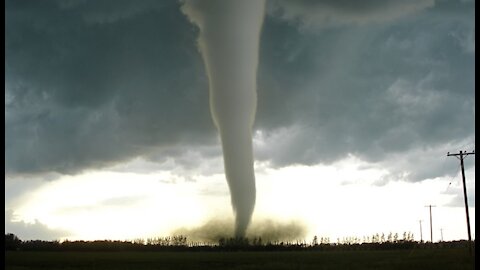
[451,180]
[461,155]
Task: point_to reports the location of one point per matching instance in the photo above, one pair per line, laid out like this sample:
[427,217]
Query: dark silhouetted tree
[12,242]
[315,241]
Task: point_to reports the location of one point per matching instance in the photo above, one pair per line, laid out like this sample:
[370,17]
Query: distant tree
[357,240]
[12,242]
[395,237]
[259,241]
[165,241]
[315,241]
[349,240]
[390,237]
[139,241]
[222,242]
[375,238]
[410,236]
[179,240]
[40,245]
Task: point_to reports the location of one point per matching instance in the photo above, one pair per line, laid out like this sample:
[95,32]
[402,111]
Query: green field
[365,259]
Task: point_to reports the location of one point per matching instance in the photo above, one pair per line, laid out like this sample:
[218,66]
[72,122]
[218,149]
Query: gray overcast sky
[90,84]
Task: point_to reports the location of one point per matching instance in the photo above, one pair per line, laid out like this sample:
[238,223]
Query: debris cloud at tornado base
[268,230]
[229,44]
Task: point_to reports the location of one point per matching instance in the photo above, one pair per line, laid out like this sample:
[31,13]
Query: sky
[108,132]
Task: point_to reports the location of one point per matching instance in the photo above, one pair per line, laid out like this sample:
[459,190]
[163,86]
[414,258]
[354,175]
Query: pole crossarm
[461,154]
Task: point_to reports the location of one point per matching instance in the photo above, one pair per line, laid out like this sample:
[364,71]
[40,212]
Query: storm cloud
[326,13]
[90,84]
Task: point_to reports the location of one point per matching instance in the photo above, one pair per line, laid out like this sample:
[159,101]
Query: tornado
[228,41]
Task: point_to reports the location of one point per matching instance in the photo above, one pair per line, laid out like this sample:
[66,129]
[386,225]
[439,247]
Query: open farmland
[448,258]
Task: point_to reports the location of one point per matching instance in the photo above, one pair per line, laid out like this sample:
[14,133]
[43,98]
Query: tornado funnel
[229,44]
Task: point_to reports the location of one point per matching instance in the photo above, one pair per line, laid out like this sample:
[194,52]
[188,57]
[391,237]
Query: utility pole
[441,234]
[431,231]
[421,235]
[461,156]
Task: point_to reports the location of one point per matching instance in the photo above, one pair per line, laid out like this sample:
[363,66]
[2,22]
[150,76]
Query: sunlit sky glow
[108,132]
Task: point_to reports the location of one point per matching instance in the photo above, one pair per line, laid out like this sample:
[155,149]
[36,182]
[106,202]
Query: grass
[453,258]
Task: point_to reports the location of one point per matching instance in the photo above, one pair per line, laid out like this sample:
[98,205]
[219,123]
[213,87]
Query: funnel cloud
[229,44]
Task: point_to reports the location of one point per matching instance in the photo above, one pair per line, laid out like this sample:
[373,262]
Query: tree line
[181,243]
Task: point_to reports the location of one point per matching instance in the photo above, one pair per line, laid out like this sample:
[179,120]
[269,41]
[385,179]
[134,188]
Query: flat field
[137,260]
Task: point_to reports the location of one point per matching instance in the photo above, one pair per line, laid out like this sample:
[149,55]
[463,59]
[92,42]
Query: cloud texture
[90,84]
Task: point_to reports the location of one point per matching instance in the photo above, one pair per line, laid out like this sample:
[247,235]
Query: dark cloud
[389,93]
[81,95]
[93,83]
[325,13]
[103,11]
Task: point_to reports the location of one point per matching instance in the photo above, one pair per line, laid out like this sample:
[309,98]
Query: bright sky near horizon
[117,207]
[108,132]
